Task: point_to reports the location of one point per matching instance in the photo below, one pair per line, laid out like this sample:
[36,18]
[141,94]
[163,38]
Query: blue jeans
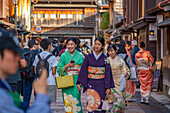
[27,91]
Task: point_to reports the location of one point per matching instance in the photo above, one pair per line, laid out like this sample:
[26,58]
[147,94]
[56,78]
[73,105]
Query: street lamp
[15,2]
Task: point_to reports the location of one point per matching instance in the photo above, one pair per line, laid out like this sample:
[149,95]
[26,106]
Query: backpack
[28,71]
[46,64]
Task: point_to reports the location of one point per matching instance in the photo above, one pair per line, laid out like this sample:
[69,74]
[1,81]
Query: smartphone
[72,61]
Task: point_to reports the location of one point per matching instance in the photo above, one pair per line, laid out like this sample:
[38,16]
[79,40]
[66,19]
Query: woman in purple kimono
[96,77]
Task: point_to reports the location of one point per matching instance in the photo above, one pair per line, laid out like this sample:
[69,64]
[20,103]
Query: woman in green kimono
[70,63]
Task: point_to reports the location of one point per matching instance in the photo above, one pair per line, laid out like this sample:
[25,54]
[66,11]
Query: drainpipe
[124,13]
[165,1]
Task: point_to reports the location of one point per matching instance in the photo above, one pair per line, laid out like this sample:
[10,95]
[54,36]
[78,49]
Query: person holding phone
[96,77]
[69,64]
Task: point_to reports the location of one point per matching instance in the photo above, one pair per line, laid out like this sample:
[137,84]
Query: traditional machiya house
[6,13]
[145,21]
[65,18]
[20,19]
[162,28]
[137,23]
[115,18]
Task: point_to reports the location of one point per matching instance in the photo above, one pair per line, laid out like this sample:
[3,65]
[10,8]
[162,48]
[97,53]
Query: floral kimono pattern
[96,77]
[71,95]
[119,68]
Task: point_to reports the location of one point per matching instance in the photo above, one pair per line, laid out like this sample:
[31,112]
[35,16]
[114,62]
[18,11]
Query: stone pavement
[132,107]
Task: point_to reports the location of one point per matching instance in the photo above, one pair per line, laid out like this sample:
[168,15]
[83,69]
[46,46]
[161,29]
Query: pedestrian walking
[96,77]
[130,85]
[144,62]
[51,65]
[85,49]
[134,50]
[27,73]
[69,64]
[120,73]
[10,54]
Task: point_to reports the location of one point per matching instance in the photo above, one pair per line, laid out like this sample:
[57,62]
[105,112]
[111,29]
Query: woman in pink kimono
[144,62]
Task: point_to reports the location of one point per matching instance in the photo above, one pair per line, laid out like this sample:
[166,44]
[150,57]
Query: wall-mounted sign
[38,29]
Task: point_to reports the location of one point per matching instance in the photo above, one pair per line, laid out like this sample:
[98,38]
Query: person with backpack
[50,63]
[10,54]
[27,73]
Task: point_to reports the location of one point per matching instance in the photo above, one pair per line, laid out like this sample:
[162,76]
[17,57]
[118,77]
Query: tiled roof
[67,0]
[63,5]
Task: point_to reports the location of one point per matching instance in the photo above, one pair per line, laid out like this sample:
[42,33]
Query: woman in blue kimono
[96,77]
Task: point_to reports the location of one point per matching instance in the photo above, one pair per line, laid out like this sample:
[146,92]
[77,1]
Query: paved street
[133,107]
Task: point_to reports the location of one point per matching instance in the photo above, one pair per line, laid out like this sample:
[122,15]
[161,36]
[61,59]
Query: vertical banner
[156,75]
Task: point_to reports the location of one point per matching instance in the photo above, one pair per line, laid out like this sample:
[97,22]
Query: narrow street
[133,107]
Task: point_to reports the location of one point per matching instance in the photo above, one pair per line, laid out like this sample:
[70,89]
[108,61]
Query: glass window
[46,15]
[70,15]
[80,15]
[53,16]
[35,15]
[63,16]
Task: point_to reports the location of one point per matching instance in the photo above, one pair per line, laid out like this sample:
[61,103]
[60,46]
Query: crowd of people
[108,71]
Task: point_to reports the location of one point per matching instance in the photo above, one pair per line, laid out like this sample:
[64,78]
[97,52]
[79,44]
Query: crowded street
[84,56]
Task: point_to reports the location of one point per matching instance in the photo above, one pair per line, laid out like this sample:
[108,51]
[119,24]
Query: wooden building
[162,14]
[22,13]
[65,18]
[145,21]
[115,17]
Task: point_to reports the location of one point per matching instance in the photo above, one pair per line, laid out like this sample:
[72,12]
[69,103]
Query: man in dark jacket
[134,50]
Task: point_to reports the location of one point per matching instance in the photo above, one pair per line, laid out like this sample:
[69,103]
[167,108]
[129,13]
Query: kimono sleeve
[83,74]
[108,77]
[125,70]
[150,57]
[60,66]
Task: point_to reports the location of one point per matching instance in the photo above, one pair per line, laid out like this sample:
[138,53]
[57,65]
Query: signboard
[38,29]
[157,75]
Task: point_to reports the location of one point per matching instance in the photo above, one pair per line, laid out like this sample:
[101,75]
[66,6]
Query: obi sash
[74,70]
[96,72]
[116,73]
[143,63]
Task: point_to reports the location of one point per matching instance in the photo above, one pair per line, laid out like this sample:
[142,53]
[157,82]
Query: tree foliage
[105,21]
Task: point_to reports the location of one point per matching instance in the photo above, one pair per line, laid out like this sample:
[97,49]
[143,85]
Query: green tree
[105,21]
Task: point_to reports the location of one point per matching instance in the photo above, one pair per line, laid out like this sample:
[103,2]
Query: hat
[9,41]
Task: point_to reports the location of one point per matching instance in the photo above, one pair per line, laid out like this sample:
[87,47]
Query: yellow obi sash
[74,70]
[96,72]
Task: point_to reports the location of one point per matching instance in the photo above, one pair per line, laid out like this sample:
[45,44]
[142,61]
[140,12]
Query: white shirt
[52,63]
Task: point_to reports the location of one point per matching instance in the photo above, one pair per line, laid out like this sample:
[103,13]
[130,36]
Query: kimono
[119,68]
[144,62]
[71,95]
[96,76]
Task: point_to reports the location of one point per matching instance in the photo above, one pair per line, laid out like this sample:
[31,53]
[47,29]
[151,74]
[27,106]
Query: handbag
[122,81]
[133,74]
[107,103]
[64,81]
